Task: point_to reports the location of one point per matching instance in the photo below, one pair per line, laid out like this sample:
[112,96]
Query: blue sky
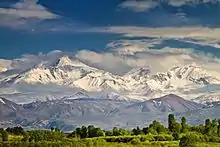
[32,26]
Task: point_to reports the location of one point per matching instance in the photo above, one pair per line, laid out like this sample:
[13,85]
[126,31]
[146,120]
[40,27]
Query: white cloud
[207,36]
[23,11]
[132,54]
[183,2]
[138,6]
[170,32]
[123,55]
[141,6]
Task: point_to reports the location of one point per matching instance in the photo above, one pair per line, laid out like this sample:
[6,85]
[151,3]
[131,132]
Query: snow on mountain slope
[188,76]
[58,72]
[98,81]
[137,83]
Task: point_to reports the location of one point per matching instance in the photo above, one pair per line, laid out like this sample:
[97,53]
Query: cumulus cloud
[21,12]
[132,54]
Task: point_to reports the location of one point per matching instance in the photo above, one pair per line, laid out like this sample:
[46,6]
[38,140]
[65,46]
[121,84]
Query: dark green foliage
[184,126]
[119,132]
[26,137]
[137,131]
[156,128]
[57,130]
[218,132]
[199,129]
[214,126]
[44,135]
[145,130]
[91,131]
[171,122]
[84,132]
[176,136]
[15,130]
[87,132]
[208,127]
[4,135]
[177,127]
[149,137]
[187,141]
[163,138]
[109,133]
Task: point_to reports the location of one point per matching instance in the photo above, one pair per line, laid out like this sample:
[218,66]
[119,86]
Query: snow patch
[13,107]
[1,100]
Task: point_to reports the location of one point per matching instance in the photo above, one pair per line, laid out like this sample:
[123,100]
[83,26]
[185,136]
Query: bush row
[142,138]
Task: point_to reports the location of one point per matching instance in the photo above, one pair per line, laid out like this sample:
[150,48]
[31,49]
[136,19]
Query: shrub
[135,141]
[176,136]
[187,141]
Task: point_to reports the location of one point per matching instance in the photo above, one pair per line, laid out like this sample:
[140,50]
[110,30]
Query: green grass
[208,144]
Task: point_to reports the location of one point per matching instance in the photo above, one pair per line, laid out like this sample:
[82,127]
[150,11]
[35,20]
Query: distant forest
[155,135]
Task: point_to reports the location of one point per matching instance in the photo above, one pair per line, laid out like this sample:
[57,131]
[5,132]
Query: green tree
[176,127]
[159,128]
[199,129]
[137,131]
[109,133]
[15,130]
[91,131]
[84,132]
[218,128]
[145,130]
[214,125]
[4,136]
[187,141]
[184,126]
[116,131]
[171,122]
[99,132]
[208,127]
[57,130]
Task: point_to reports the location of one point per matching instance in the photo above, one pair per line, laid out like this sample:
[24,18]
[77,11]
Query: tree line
[176,131]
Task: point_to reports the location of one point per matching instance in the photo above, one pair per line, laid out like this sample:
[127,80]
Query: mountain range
[136,84]
[67,92]
[67,113]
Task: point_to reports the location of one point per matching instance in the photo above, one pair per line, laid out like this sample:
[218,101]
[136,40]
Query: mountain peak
[187,66]
[65,60]
[137,73]
[191,71]
[68,61]
[171,96]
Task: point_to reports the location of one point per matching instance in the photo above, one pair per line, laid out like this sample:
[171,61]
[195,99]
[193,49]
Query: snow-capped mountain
[138,83]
